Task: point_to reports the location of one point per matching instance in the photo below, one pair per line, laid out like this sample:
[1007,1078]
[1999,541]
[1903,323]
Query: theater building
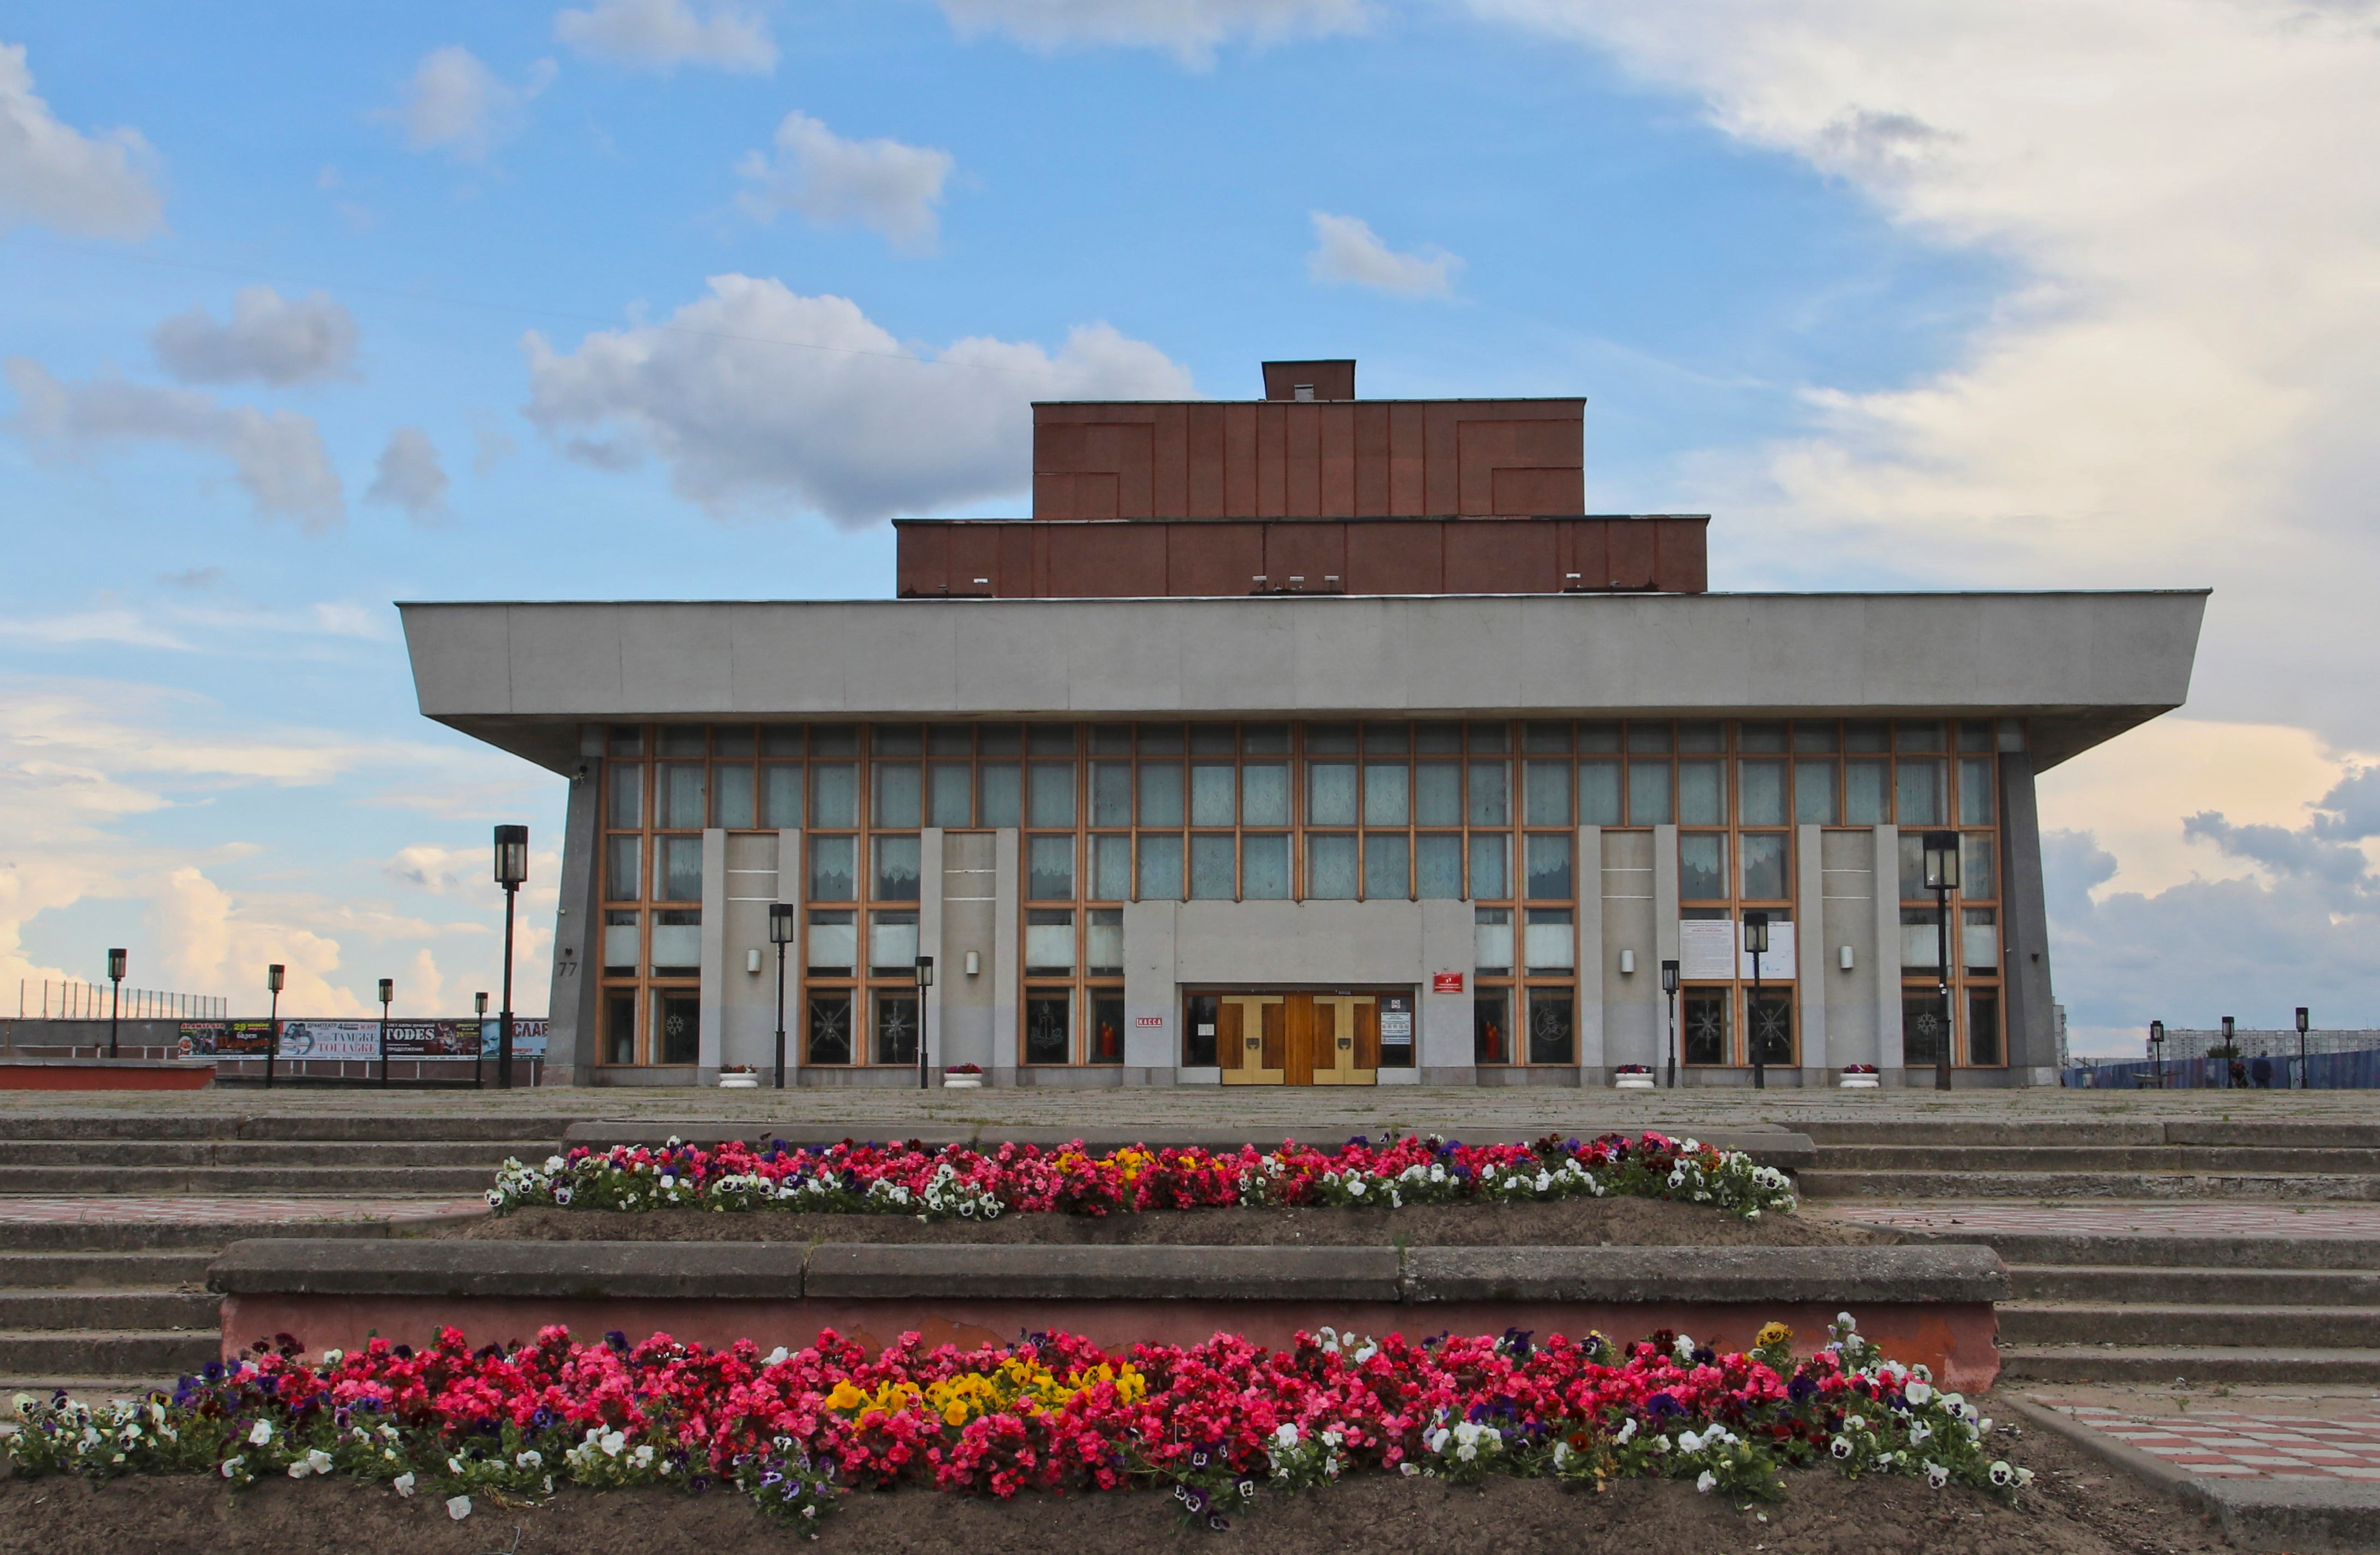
[1311,740]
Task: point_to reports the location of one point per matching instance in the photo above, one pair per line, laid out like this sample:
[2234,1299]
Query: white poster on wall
[1703,945]
[1776,962]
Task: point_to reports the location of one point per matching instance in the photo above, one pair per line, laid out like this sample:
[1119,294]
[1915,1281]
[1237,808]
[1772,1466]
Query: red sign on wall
[1446,982]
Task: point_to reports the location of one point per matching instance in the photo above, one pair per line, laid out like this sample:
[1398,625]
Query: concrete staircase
[116,1305]
[2046,1159]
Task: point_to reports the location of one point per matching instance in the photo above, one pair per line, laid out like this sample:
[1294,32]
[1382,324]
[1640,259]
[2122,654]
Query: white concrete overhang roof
[2080,666]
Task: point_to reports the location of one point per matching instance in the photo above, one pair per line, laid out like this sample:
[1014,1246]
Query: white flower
[1918,1393]
[458,1507]
[1937,1475]
[403,1484]
[777,1357]
[2002,1476]
[530,1458]
[1627,1432]
[1685,1347]
[2023,1478]
[496,1198]
[1706,1482]
[333,1357]
[1918,1431]
[612,1442]
[259,1433]
[231,1465]
[643,1455]
[1284,1435]
[1841,1447]
[1356,1186]
[562,1194]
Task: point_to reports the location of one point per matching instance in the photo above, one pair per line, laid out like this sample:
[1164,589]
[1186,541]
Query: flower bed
[1219,1422]
[945,1181]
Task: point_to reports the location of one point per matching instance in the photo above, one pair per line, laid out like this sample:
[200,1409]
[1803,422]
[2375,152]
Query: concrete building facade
[1307,741]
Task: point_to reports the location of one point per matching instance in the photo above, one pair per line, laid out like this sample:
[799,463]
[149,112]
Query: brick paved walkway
[2209,1217]
[2237,1444]
[199,1208]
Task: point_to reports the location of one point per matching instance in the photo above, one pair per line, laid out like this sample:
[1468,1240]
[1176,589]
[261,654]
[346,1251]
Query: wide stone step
[2234,1287]
[1820,1183]
[94,1352]
[110,1271]
[2341,1328]
[154,1310]
[2152,1250]
[2243,1364]
[263,1181]
[210,1236]
[266,1124]
[2203,1159]
[2224,1132]
[114,1155]
[90,1390]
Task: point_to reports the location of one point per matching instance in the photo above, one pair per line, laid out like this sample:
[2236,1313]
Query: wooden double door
[1284,1038]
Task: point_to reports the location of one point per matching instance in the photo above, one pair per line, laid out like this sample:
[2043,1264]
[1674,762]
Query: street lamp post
[116,996]
[512,869]
[1669,987]
[2156,1049]
[479,1035]
[2223,1069]
[387,992]
[1755,944]
[1942,879]
[780,934]
[274,979]
[2305,1081]
[925,981]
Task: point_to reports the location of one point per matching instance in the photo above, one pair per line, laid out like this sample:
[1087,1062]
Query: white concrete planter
[1859,1082]
[739,1082]
[962,1082]
[1633,1082]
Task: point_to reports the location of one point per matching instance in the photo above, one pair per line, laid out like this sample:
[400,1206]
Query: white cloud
[761,399]
[408,475]
[51,173]
[277,456]
[435,869]
[1192,30]
[269,339]
[663,34]
[879,184]
[455,103]
[1346,248]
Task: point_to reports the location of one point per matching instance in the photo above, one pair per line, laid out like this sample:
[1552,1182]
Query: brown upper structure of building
[1309,490]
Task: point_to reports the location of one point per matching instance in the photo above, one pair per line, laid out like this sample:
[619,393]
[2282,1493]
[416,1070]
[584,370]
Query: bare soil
[1630,1222]
[2076,1507]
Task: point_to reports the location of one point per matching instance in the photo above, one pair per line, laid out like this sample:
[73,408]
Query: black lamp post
[1669,987]
[1755,944]
[1942,879]
[512,867]
[479,1035]
[387,992]
[115,997]
[2305,1081]
[2156,1049]
[925,981]
[2223,1069]
[274,979]
[780,934]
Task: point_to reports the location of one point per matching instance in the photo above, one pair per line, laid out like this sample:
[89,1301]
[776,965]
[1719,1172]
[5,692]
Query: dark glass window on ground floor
[897,1028]
[1553,1032]
[829,1029]
[1492,1025]
[1203,1015]
[1049,1026]
[1703,1025]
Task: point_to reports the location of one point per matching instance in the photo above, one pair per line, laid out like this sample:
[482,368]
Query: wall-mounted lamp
[974,964]
[1843,958]
[752,961]
[1628,964]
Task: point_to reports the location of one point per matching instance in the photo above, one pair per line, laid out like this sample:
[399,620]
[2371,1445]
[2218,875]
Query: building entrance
[1285,1039]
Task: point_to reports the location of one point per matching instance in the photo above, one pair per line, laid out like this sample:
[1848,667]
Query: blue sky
[1902,294]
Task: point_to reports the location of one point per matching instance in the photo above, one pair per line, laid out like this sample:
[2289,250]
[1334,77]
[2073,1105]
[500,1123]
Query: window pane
[681,872]
[1214,873]
[1702,866]
[1760,793]
[620,1026]
[950,739]
[1386,796]
[833,739]
[1265,865]
[1161,796]
[1648,739]
[677,944]
[1104,936]
[1921,940]
[1921,1028]
[830,1029]
[1546,793]
[627,789]
[624,856]
[893,945]
[1983,1025]
[1106,1037]
[1053,793]
[781,739]
[1703,1025]
[1490,866]
[1437,872]
[954,794]
[835,795]
[1384,739]
[897,739]
[834,945]
[781,796]
[1550,1029]
[1707,735]
[999,797]
[1866,735]
[1050,739]
[1917,734]
[1214,794]
[1331,794]
[1386,857]
[1214,739]
[626,739]
[683,740]
[1702,794]
[1598,794]
[1331,739]
[1264,795]
[1759,737]
[1975,791]
[1050,868]
[1049,1026]
[1490,736]
[1330,867]
[897,1028]
[1438,794]
[623,953]
[1438,738]
[1913,866]
[1110,793]
[1977,876]
[1048,943]
[1864,793]
[1814,792]
[897,799]
[1161,739]
[1979,941]
[1545,737]
[1920,794]
[1764,867]
[1491,794]
[1111,869]
[1492,1035]
[1203,1015]
[1551,945]
[896,870]
[1265,739]
[1160,869]
[1491,944]
[1001,740]
[1648,792]
[682,796]
[677,1026]
[834,868]
[1550,865]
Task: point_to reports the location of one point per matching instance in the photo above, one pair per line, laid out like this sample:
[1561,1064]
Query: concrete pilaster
[1007,971]
[1886,885]
[573,1007]
[1811,954]
[929,942]
[2024,928]
[793,888]
[714,956]
[1591,961]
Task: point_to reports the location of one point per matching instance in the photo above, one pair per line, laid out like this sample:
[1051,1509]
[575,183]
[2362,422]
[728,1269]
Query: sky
[306,310]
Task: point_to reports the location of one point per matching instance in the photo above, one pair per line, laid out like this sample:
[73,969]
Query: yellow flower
[1773,1334]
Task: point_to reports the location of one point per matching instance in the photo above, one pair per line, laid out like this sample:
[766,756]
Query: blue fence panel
[2358,1070]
